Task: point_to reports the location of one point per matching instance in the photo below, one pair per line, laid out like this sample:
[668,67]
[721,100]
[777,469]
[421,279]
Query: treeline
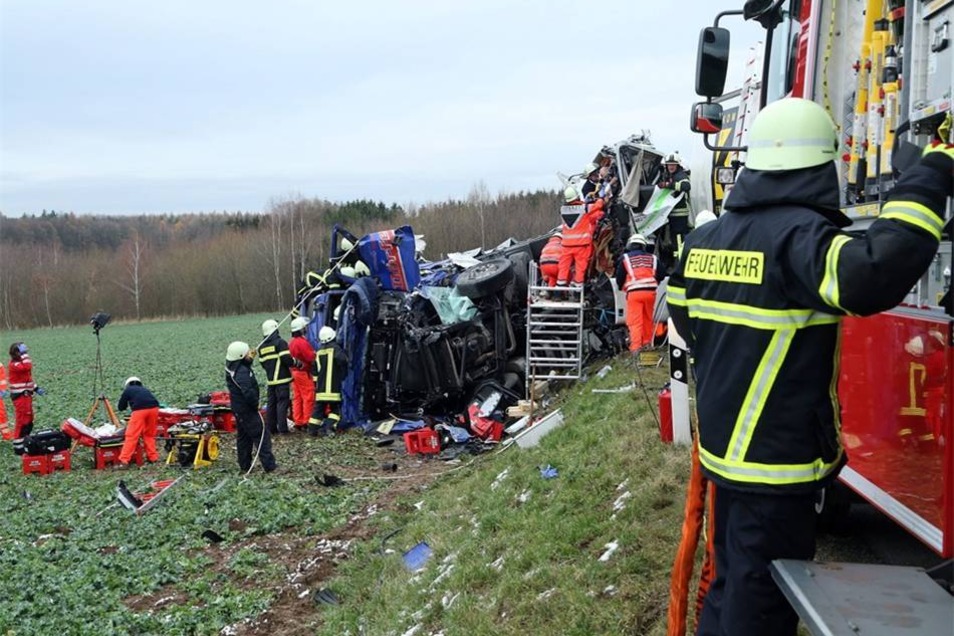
[58,269]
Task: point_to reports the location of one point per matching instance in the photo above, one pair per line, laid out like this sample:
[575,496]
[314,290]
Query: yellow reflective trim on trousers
[914,214]
[773,474]
[757,317]
[829,290]
[757,395]
[328,397]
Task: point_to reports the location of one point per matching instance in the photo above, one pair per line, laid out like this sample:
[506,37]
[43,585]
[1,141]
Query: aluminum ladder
[554,330]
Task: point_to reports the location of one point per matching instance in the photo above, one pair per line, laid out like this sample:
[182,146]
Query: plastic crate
[108,455]
[224,421]
[60,460]
[425,442]
[37,464]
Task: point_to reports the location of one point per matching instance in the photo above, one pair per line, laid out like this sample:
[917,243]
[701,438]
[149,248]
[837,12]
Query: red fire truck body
[884,71]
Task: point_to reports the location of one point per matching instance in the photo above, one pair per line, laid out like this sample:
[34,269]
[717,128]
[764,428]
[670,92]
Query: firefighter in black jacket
[277,362]
[758,295]
[675,178]
[331,364]
[243,391]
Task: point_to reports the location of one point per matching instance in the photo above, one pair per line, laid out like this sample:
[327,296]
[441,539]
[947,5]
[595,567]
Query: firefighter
[22,388]
[243,394]
[303,357]
[275,359]
[315,283]
[591,186]
[141,424]
[675,178]
[759,296]
[331,364]
[5,431]
[579,225]
[638,274]
[550,259]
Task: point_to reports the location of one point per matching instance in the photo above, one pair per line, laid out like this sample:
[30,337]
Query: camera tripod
[99,386]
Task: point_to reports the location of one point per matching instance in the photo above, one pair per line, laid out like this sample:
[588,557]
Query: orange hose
[685,554]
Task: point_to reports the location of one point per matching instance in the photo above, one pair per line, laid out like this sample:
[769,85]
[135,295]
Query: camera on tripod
[99,320]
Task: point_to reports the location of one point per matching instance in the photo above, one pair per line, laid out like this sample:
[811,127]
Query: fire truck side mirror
[766,12]
[712,61]
[706,118]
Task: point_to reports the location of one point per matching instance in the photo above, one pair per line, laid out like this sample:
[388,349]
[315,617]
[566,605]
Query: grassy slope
[506,566]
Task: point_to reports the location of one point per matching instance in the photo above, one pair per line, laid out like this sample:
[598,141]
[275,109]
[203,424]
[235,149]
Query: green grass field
[513,553]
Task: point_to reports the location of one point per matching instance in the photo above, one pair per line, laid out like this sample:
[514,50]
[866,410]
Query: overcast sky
[177,106]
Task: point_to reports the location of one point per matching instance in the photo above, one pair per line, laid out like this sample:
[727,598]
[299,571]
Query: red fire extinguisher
[665,415]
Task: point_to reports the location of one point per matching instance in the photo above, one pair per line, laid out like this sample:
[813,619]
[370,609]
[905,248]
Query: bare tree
[275,245]
[480,198]
[133,257]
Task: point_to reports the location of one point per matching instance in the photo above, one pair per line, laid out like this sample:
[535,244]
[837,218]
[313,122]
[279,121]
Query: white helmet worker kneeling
[759,296]
[243,394]
[331,365]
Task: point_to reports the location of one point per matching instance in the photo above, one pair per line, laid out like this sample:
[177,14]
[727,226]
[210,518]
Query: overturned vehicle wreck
[437,337]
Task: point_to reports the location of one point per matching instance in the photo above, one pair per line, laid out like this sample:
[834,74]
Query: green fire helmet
[791,134]
[236,351]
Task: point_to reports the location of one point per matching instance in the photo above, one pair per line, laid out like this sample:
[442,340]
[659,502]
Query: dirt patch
[165,596]
[309,563]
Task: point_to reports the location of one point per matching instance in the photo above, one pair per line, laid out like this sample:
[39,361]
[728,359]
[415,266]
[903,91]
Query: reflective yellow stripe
[676,296]
[914,214]
[328,397]
[326,393]
[833,385]
[774,474]
[828,290]
[755,317]
[759,389]
[266,350]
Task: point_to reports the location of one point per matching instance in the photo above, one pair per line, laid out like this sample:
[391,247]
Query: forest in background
[59,268]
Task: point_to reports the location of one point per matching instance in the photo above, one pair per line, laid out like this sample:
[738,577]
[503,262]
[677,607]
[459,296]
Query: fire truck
[884,71]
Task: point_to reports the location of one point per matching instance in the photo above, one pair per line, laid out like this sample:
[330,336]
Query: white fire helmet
[326,334]
[268,327]
[236,351]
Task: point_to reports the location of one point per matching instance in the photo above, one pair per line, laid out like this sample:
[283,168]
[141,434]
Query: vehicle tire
[521,275]
[485,279]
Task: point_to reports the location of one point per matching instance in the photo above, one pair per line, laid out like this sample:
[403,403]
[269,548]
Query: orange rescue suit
[578,241]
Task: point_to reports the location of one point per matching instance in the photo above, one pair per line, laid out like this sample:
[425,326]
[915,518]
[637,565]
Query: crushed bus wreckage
[452,338]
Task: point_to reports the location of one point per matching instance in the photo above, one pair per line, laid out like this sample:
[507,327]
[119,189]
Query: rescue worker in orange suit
[638,274]
[22,388]
[674,177]
[276,360]
[5,431]
[243,396]
[579,225]
[331,364]
[550,260]
[141,424]
[303,359]
[759,296]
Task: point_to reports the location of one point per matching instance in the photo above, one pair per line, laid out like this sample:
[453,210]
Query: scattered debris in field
[611,547]
[448,600]
[604,371]
[620,503]
[417,557]
[623,389]
[497,564]
[548,472]
[545,595]
[524,497]
[531,436]
[499,479]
